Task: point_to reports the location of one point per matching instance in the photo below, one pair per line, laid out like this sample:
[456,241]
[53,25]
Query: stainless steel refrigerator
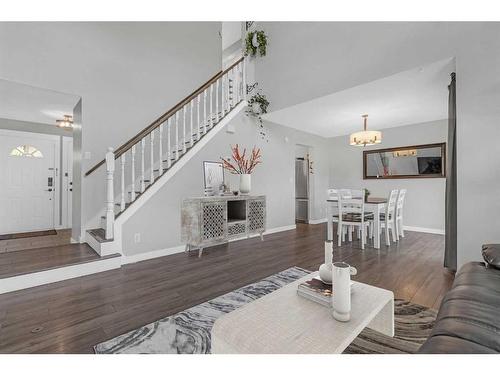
[301,190]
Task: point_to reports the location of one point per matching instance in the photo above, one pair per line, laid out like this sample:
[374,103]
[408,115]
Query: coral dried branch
[240,163]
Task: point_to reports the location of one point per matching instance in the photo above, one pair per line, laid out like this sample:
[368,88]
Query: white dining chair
[345,193]
[352,214]
[399,213]
[335,195]
[388,218]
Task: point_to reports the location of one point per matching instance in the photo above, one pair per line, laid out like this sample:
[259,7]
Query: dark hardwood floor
[73,315]
[31,260]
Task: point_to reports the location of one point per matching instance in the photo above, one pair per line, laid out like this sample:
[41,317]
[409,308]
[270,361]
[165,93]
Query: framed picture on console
[213,175]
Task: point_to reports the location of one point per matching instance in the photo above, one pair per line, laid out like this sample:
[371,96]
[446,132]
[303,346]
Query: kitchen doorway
[302,183]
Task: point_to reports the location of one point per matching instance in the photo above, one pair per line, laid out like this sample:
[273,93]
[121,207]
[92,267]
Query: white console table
[210,221]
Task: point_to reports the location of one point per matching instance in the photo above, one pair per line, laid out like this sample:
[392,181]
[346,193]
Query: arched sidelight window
[26,151]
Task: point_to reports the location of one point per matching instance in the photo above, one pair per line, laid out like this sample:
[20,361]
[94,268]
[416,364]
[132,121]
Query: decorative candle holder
[342,291]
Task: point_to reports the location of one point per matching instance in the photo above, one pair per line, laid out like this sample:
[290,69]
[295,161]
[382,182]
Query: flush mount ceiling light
[66,122]
[365,137]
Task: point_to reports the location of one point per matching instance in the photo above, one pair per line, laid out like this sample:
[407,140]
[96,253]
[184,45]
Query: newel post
[110,199]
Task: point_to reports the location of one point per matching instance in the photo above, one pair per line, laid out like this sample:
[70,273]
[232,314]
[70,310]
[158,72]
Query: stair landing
[32,267]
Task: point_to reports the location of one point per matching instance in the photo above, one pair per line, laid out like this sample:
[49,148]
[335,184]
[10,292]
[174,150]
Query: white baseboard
[280,229]
[29,280]
[423,230]
[127,259]
[318,221]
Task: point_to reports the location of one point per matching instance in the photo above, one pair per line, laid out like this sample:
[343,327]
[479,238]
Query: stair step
[99,234]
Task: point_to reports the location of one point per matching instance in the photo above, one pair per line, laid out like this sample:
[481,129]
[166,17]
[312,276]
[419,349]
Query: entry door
[27,182]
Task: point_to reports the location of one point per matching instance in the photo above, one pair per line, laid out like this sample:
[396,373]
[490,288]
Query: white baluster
[169,153]
[233,86]
[223,95]
[238,83]
[228,95]
[228,100]
[191,141]
[132,193]
[205,112]
[122,202]
[244,86]
[211,120]
[184,129]
[143,145]
[151,154]
[110,199]
[217,101]
[160,151]
[177,146]
[198,118]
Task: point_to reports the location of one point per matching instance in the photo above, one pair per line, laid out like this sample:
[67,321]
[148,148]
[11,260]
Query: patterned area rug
[188,332]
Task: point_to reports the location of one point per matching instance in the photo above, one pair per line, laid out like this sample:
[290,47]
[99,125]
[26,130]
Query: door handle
[49,189]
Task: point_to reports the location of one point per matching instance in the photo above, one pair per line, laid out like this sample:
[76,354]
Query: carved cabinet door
[256,215]
[213,221]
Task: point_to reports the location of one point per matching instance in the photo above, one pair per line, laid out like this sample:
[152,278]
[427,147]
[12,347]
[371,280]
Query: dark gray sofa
[469,317]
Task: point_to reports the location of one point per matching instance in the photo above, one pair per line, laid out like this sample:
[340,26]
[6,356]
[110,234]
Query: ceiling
[414,96]
[33,104]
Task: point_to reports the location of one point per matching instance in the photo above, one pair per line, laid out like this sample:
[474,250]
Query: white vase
[255,42]
[325,273]
[342,291]
[325,270]
[245,183]
[256,108]
[328,252]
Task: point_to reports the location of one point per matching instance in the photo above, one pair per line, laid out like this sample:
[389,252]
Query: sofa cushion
[473,321]
[468,320]
[476,273]
[491,255]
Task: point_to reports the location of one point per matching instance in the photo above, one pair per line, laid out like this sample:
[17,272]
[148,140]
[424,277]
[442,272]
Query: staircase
[138,168]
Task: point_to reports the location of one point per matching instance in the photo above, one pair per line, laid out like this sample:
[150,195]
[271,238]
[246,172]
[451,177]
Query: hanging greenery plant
[256,41]
[259,103]
[257,106]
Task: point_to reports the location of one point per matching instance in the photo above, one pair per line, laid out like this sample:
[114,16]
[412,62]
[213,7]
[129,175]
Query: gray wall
[32,127]
[158,220]
[307,60]
[76,220]
[127,73]
[424,205]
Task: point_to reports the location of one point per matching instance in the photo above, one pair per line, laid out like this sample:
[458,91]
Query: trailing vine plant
[256,41]
[257,106]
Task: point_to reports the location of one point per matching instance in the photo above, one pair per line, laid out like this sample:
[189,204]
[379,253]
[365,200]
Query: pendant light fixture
[365,137]
[66,122]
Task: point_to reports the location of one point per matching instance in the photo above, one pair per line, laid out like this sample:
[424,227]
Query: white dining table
[375,205]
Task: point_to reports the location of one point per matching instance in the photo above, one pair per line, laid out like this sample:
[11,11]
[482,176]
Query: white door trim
[57,161]
[67,147]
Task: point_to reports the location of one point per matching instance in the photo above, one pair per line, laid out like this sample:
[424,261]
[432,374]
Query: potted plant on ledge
[243,165]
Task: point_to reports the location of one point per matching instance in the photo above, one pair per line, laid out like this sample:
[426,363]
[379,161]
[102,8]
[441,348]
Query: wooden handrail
[160,120]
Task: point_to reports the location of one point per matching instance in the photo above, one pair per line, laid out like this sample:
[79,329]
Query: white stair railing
[110,195]
[180,128]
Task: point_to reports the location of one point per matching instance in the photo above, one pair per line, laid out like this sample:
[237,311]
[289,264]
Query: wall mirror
[421,161]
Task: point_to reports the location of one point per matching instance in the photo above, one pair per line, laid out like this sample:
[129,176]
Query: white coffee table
[284,322]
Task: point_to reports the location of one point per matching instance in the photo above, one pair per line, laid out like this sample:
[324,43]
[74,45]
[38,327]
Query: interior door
[27,182]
